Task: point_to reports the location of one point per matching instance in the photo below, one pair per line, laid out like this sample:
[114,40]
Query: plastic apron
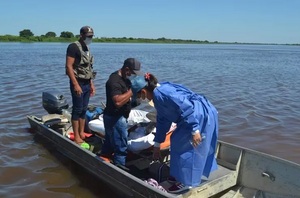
[191,112]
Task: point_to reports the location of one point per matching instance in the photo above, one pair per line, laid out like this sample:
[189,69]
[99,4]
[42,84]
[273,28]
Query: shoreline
[44,39]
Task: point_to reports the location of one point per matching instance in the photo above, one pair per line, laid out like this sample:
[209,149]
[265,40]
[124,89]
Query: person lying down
[141,130]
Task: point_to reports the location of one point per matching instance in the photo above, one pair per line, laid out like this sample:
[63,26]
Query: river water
[256,89]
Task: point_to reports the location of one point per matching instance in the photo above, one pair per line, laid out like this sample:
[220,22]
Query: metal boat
[241,172]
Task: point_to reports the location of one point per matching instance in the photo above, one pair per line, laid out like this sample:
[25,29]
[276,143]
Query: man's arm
[122,99]
[69,67]
[93,90]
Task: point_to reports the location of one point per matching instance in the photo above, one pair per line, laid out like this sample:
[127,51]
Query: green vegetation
[26,33]
[27,36]
[65,37]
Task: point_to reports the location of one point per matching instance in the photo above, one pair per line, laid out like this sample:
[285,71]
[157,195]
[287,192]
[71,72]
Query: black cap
[133,64]
[87,31]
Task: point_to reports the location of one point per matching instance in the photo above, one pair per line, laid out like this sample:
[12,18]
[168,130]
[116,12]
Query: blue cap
[138,83]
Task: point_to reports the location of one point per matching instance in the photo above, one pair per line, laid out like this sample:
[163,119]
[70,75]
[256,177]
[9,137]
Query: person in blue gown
[194,141]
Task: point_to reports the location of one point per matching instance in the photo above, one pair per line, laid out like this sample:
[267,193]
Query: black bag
[159,171]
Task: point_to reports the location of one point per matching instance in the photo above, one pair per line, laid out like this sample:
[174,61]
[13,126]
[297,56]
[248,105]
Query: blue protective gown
[191,112]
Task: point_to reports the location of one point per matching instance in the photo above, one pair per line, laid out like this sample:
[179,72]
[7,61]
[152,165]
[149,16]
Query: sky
[244,21]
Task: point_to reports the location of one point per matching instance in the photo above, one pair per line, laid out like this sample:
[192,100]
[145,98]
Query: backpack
[159,171]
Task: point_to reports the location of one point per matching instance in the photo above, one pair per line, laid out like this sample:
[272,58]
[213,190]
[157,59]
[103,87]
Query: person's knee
[77,112]
[82,114]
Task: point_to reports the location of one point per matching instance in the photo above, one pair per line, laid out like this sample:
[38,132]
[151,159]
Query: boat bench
[219,180]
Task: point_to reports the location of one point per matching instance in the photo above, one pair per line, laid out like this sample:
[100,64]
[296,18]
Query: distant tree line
[27,35]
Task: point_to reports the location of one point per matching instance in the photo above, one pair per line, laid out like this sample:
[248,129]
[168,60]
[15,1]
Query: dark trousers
[80,102]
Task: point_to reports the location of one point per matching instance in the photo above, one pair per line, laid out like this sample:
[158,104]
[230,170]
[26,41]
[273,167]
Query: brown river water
[254,87]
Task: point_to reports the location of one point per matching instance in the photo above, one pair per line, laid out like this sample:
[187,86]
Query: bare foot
[82,136]
[78,141]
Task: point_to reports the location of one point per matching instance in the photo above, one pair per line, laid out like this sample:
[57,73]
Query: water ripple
[255,89]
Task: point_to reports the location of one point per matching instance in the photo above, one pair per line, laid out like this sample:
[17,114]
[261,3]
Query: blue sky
[250,21]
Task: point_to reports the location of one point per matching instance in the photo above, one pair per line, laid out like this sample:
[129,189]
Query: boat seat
[56,122]
[218,181]
[224,178]
[54,118]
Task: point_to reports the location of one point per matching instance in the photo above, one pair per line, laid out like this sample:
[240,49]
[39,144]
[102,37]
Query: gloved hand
[197,138]
[137,84]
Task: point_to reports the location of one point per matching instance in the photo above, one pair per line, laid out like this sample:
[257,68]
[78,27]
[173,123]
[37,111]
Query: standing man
[118,106]
[79,68]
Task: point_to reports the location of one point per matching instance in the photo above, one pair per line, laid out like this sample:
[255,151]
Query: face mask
[140,100]
[131,77]
[88,40]
[146,100]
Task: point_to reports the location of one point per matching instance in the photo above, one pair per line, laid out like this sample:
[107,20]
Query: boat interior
[229,180]
[241,172]
[138,163]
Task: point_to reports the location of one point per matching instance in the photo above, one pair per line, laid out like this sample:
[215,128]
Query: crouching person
[194,141]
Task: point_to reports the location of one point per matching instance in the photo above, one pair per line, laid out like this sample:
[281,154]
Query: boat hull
[120,180]
[242,172]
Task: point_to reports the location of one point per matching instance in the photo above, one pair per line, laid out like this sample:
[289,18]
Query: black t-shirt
[74,52]
[116,85]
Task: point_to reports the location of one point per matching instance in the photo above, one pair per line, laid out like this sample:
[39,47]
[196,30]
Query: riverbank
[11,38]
